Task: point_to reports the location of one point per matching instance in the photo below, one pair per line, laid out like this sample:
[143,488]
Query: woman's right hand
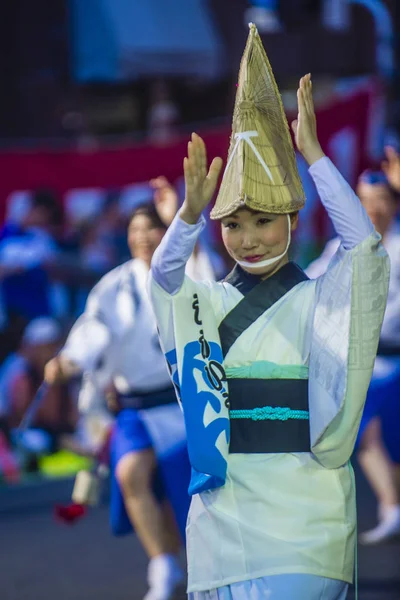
[200,185]
[305,126]
[59,370]
[391,167]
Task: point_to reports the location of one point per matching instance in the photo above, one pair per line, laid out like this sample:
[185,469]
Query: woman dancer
[116,340]
[271,368]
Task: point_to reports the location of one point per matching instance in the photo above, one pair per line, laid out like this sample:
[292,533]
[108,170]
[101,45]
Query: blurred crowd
[58,416]
[50,258]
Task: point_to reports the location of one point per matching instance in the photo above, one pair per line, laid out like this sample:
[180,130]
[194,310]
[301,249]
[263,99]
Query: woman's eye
[231,225]
[264,221]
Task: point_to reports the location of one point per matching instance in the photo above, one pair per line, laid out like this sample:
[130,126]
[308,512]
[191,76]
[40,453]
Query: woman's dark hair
[46,199]
[149,210]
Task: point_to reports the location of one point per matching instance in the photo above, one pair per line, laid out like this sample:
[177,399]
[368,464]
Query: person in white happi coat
[116,340]
[271,368]
[378,441]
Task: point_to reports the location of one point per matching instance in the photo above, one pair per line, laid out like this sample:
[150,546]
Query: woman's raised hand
[165,199]
[200,184]
[305,126]
[391,167]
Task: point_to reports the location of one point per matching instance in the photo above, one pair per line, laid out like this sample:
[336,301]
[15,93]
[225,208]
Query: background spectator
[26,249]
[20,378]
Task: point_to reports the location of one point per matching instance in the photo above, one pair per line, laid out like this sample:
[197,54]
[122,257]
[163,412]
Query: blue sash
[202,384]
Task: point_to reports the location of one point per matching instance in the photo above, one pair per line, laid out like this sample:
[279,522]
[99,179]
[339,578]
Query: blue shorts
[383,401]
[130,434]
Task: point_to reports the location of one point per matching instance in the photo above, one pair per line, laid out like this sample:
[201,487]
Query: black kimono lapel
[259,296]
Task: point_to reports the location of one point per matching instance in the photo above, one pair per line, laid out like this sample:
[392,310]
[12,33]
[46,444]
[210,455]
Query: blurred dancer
[116,339]
[378,440]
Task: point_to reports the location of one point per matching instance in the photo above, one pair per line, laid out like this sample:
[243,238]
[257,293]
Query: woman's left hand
[305,126]
[391,167]
[165,199]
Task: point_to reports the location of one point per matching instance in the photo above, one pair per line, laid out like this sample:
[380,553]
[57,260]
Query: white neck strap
[269,261]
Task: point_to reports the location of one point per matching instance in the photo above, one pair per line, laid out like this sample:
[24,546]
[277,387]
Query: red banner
[342,127]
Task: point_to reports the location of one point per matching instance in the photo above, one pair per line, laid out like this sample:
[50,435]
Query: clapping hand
[391,167]
[305,126]
[165,199]
[200,184]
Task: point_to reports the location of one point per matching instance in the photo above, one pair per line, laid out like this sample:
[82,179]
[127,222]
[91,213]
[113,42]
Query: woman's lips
[255,258]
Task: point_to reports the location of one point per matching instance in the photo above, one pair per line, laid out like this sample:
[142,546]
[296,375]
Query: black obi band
[280,421]
[141,400]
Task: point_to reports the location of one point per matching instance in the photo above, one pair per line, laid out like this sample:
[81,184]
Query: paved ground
[42,560]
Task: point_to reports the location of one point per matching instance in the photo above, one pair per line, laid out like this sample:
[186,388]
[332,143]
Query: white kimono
[275,513]
[115,340]
[390,333]
[117,334]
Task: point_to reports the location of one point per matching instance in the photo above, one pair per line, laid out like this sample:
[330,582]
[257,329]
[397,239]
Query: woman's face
[143,237]
[379,203]
[256,236]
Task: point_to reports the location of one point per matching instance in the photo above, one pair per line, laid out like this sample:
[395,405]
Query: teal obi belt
[268,415]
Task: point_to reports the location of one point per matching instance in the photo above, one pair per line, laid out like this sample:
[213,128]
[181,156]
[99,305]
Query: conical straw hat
[261,171]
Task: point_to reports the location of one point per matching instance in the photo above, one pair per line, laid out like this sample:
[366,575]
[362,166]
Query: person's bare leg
[153,525]
[377,466]
[397,477]
[378,469]
[172,536]
[135,472]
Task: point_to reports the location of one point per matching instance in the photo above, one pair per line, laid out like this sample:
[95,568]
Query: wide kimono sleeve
[90,335]
[349,308]
[187,318]
[110,310]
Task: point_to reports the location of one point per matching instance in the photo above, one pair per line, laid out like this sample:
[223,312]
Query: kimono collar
[242,280]
[245,282]
[137,264]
